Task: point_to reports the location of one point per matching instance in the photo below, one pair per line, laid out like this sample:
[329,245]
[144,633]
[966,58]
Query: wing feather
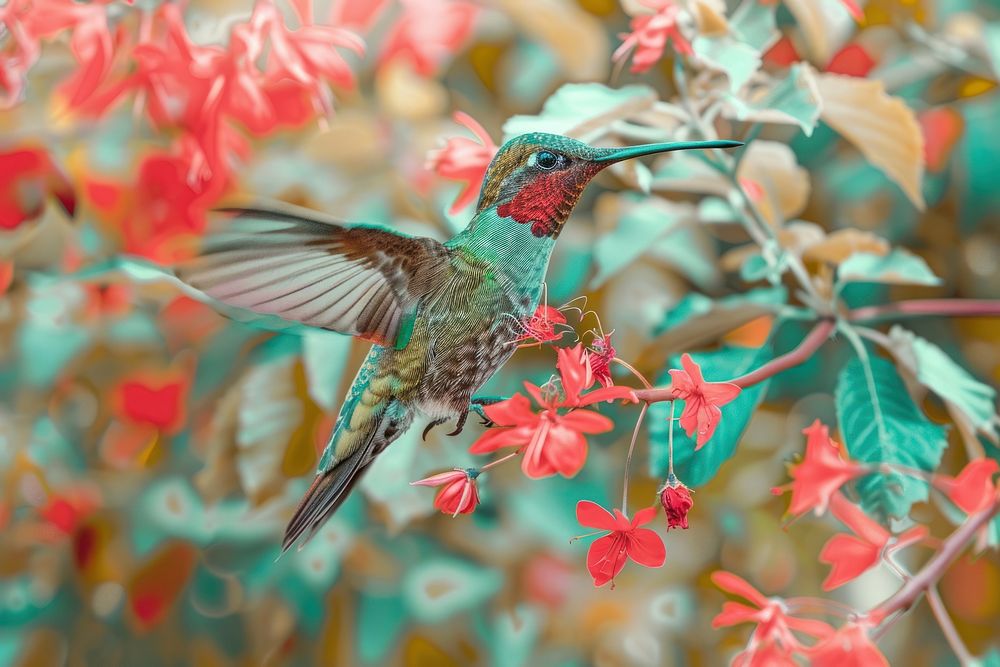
[359,280]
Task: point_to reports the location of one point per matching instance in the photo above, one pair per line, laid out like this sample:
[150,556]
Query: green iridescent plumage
[442,316]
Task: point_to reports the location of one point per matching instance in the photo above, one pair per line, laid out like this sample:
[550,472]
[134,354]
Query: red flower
[68,510]
[428,32]
[458,494]
[465,160]
[677,502]
[607,554]
[29,178]
[773,641]
[850,556]
[850,645]
[541,326]
[553,442]
[823,470]
[601,353]
[154,400]
[650,34]
[701,400]
[973,490]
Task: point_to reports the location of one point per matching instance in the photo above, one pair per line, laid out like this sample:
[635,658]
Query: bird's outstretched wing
[358,280]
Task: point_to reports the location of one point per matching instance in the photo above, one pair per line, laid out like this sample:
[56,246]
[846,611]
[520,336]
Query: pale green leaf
[577,108]
[899,267]
[792,99]
[737,59]
[881,424]
[955,385]
[753,23]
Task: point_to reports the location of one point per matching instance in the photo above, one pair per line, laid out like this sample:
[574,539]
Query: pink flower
[701,400]
[465,160]
[850,645]
[30,177]
[553,442]
[428,33]
[677,502]
[601,353]
[625,540]
[458,493]
[823,470]
[650,34]
[773,641]
[973,490]
[541,326]
[852,555]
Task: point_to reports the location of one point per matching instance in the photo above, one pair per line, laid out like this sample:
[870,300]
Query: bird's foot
[427,429]
[479,403]
[461,424]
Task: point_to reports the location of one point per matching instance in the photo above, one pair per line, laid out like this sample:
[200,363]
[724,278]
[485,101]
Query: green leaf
[793,99]
[881,424]
[698,468]
[754,24]
[955,385]
[899,267]
[737,59]
[651,225]
[578,106]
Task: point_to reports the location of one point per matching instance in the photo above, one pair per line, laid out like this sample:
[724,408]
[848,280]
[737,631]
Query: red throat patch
[546,202]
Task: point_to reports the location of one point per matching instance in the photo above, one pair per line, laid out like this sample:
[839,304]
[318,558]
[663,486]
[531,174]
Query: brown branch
[812,342]
[917,307]
[935,568]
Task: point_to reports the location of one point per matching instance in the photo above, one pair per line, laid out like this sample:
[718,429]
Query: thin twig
[948,628]
[812,342]
[918,307]
[628,459]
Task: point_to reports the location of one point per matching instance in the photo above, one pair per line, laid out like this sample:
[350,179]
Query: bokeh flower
[465,160]
[973,489]
[850,645]
[650,35]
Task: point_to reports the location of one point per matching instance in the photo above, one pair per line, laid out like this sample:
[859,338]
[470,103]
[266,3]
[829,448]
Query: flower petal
[731,583]
[592,515]
[646,548]
[586,421]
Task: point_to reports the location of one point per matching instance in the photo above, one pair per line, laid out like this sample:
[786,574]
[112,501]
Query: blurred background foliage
[151,450]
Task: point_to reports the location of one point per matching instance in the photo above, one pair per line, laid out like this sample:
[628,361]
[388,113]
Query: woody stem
[812,342]
[917,307]
[628,459]
[904,598]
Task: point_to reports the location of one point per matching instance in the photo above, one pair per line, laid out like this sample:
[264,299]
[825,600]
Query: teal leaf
[438,589]
[793,99]
[737,59]
[698,468]
[654,226]
[934,369]
[761,301]
[881,424]
[754,24]
[576,104]
[899,267]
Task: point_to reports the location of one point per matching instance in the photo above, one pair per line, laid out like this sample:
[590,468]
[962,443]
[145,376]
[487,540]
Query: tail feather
[333,485]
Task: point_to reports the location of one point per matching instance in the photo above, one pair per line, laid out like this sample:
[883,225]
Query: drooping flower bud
[458,493]
[677,502]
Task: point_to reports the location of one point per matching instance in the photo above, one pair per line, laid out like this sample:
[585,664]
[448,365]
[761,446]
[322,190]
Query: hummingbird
[442,317]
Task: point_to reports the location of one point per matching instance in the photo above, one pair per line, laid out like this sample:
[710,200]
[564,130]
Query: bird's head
[536,179]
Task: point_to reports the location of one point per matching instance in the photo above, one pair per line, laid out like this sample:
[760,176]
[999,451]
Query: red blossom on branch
[773,641]
[849,556]
[650,35]
[458,493]
[553,441]
[702,400]
[601,352]
[541,326]
[625,540]
[849,646]
[973,489]
[823,470]
[465,160]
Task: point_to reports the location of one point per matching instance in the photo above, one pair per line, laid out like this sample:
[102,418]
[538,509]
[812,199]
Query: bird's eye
[546,160]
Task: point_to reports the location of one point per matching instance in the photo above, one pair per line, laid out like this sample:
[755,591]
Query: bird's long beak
[610,155]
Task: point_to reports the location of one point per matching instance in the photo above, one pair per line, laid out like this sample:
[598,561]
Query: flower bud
[677,502]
